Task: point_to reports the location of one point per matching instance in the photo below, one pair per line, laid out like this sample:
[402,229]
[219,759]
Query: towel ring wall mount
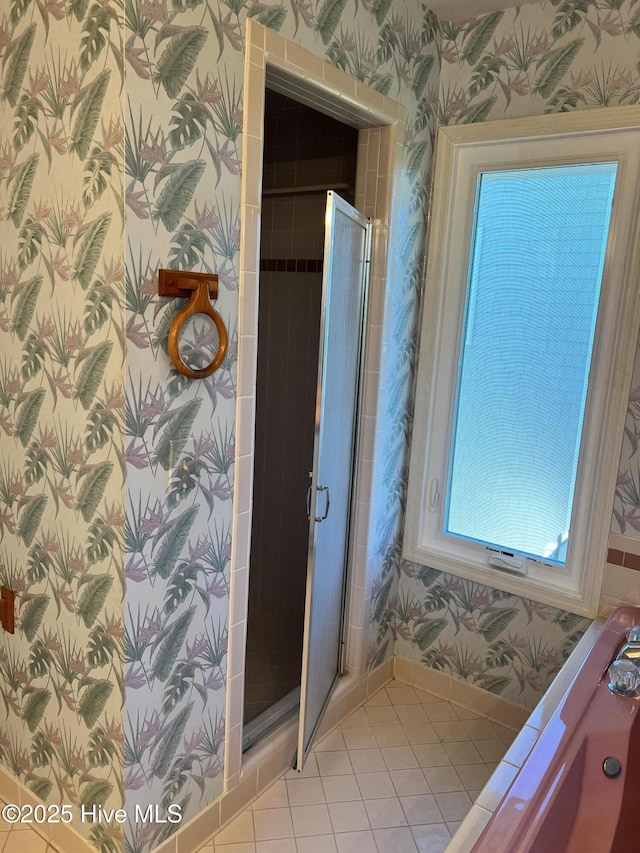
[199,289]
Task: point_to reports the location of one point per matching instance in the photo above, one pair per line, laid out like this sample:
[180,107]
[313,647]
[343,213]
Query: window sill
[541,587]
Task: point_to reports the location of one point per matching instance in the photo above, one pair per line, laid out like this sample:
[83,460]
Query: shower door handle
[327,505]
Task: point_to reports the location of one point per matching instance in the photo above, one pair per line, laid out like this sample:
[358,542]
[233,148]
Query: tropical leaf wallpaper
[626,506]
[183,123]
[542,58]
[62,400]
[120,152]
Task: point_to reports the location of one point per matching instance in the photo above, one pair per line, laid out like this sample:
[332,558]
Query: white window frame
[463,152]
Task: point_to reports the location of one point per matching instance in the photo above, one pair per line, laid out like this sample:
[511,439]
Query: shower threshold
[270,718]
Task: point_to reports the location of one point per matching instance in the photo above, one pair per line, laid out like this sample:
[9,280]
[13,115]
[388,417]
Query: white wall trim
[451,689]
[268,760]
[265,762]
[489,798]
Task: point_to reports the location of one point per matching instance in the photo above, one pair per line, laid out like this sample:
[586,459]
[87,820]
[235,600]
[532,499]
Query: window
[530,321]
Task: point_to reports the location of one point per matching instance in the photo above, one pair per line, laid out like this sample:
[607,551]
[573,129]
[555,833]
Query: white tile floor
[397,776]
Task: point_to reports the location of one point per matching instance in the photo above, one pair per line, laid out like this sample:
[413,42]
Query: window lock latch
[508,563]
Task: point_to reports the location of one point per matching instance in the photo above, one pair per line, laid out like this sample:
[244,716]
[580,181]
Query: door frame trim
[286,66]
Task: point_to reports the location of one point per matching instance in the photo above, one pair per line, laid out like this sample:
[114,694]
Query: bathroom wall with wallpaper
[626,505]
[62,401]
[69,126]
[543,58]
[183,115]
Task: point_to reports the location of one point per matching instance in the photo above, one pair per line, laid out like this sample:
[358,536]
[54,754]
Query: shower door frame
[285,66]
[312,655]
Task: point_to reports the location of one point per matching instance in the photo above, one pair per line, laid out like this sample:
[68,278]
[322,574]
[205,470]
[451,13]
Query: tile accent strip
[290,264]
[623,558]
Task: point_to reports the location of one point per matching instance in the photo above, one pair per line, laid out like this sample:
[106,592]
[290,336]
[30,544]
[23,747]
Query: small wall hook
[199,289]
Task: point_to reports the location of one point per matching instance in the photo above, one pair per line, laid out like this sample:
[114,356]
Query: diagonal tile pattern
[397,776]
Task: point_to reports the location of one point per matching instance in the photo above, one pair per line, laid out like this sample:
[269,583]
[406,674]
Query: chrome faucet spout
[630,650]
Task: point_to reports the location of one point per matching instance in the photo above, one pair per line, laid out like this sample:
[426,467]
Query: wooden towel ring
[199,288]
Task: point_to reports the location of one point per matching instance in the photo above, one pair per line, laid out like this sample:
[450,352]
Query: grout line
[377,722]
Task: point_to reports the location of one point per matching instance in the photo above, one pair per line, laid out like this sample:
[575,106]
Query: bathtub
[560,800]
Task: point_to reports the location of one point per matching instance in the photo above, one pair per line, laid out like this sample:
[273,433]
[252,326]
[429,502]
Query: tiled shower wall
[302,148]
[289,322]
[292,230]
[96,171]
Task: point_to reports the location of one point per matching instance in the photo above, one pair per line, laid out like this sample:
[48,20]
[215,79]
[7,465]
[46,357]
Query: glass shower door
[345,272]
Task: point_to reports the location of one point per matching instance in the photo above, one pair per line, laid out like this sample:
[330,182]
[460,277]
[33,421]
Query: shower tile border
[312,265]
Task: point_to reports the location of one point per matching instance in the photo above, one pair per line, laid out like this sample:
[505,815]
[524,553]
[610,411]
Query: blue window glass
[536,263]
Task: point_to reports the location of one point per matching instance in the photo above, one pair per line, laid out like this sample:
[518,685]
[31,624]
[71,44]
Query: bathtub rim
[551,704]
[507,770]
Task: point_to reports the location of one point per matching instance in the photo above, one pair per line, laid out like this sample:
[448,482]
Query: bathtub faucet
[631,649]
[624,675]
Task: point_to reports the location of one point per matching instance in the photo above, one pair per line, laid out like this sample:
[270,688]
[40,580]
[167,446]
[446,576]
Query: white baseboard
[455,690]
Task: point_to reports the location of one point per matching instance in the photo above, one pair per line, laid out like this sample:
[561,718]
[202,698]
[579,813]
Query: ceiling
[455,10]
